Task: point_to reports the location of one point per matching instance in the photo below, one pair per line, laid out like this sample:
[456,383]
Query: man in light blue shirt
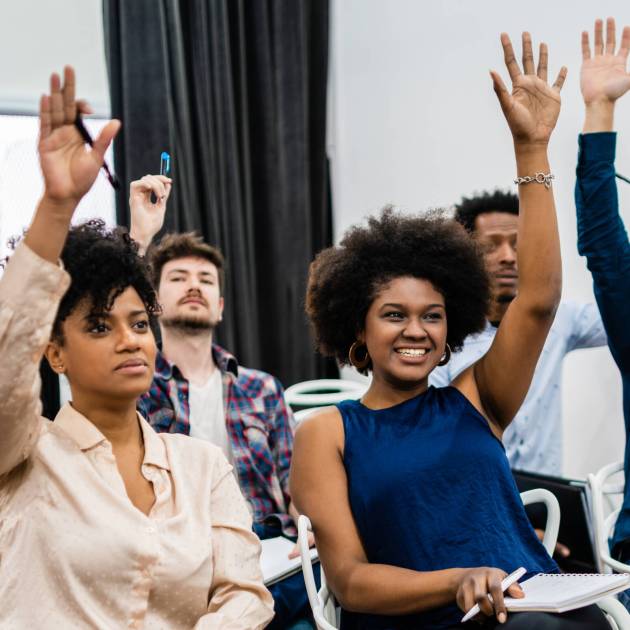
[533,441]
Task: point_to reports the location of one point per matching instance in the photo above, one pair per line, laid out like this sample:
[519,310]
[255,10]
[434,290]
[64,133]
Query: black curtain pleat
[235,91]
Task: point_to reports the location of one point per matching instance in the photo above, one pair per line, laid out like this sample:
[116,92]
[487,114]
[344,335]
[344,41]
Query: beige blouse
[74,551]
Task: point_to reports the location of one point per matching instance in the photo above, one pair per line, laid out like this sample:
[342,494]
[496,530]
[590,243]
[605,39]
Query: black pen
[85,134]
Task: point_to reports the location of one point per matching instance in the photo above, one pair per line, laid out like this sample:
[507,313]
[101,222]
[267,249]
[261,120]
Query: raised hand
[604,77]
[532,109]
[69,166]
[147,218]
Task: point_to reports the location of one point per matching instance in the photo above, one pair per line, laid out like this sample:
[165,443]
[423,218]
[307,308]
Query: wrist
[599,116]
[531,148]
[60,210]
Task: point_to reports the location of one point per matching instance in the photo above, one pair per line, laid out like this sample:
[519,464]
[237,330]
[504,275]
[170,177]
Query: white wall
[38,37]
[414,122]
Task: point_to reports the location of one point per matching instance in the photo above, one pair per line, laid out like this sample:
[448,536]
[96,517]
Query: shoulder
[324,427]
[258,383]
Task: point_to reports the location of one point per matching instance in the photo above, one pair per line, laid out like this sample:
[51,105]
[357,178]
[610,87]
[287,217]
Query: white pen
[505,584]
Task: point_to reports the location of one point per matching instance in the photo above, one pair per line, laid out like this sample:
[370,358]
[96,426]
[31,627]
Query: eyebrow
[107,315]
[401,306]
[201,273]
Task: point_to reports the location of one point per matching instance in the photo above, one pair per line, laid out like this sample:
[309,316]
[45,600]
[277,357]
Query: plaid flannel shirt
[259,424]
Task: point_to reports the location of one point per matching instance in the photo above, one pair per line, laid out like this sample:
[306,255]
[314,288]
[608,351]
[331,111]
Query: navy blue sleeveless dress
[430,488]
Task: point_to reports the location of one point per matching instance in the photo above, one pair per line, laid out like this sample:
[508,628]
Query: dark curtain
[235,91]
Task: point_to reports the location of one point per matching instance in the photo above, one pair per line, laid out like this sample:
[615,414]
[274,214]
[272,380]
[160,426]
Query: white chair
[602,490]
[321,392]
[324,607]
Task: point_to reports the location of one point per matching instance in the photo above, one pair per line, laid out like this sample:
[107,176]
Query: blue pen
[165,164]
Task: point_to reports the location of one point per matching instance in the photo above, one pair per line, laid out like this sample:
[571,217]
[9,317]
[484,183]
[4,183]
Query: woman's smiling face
[405,330]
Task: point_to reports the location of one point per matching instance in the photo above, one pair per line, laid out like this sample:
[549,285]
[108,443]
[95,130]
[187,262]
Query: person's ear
[54,356]
[221,305]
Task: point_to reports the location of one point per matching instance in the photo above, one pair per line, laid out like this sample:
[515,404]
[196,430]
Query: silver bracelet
[539,178]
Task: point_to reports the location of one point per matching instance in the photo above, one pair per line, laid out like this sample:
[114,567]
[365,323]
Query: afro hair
[467,211]
[102,263]
[345,279]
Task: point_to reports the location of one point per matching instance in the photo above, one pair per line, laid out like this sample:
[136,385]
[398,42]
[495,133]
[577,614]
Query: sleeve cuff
[29,277]
[597,147]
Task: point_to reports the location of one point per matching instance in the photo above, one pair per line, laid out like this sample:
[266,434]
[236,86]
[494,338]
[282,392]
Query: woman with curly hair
[103,522]
[414,509]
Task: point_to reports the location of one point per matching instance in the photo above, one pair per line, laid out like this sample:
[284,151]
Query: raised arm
[147,218]
[499,381]
[602,237]
[33,282]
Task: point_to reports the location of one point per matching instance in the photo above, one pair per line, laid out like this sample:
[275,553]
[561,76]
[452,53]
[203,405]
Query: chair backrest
[322,392]
[540,495]
[601,487]
[323,602]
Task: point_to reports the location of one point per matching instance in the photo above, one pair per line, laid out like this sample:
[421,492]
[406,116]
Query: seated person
[103,523]
[199,388]
[533,441]
[602,237]
[410,493]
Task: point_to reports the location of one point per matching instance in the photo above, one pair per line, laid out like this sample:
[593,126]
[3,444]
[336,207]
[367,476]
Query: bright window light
[21,182]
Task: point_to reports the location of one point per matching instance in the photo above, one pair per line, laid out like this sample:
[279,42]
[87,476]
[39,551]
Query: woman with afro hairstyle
[103,522]
[414,509]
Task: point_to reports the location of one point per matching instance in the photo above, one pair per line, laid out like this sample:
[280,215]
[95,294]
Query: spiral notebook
[551,592]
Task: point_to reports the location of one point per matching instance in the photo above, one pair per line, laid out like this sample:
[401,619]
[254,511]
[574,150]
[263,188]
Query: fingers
[542,62]
[586,47]
[57,116]
[84,107]
[108,132]
[45,125]
[494,588]
[68,94]
[599,42]
[625,43]
[508,54]
[562,550]
[295,552]
[159,185]
[480,595]
[515,590]
[562,75]
[528,55]
[610,36]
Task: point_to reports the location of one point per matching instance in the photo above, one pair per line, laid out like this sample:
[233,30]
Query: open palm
[69,167]
[532,109]
[603,76]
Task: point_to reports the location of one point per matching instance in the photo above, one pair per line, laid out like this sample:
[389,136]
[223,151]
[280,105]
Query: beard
[189,325]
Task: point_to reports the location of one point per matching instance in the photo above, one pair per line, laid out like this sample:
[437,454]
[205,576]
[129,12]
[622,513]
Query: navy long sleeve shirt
[602,239]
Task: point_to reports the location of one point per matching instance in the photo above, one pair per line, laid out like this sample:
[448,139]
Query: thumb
[500,90]
[108,132]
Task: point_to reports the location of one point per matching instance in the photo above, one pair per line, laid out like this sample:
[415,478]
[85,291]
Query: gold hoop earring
[359,364]
[446,357]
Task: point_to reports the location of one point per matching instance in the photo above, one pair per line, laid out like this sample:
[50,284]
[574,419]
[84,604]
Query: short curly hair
[102,263]
[469,208]
[344,280]
[181,245]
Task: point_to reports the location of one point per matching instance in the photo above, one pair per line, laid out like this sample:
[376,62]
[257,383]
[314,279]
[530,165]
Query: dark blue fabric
[431,488]
[290,599]
[603,240]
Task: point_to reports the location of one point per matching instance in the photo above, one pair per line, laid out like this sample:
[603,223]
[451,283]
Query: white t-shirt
[207,415]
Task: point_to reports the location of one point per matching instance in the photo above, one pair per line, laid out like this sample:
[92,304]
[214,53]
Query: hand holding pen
[147,217]
[68,167]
